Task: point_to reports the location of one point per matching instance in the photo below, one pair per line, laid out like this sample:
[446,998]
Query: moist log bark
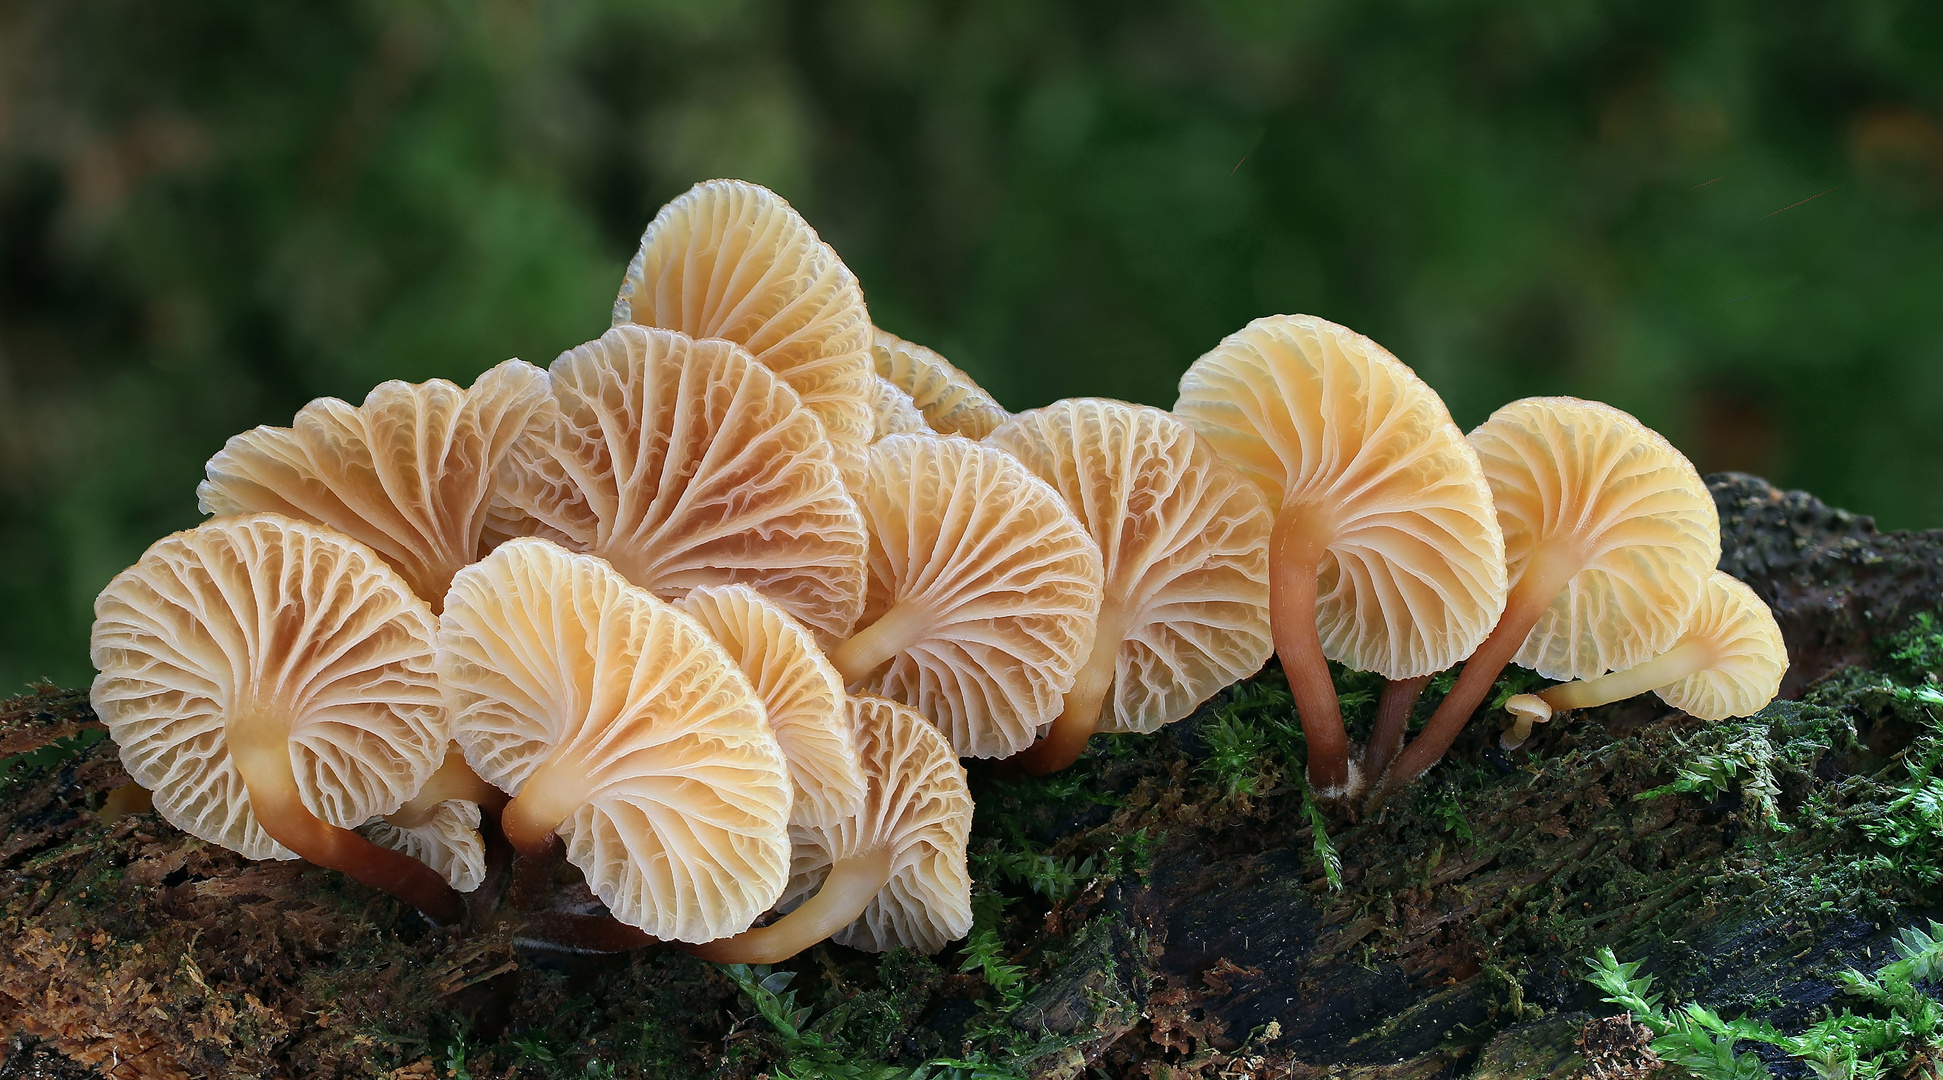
[1163,910]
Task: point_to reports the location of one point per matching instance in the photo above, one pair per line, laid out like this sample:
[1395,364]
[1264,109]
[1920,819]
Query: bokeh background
[1725,217]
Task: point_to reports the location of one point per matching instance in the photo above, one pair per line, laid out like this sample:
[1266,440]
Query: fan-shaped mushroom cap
[732,260]
[1615,505]
[951,403]
[983,596]
[686,463]
[916,807]
[448,841]
[800,691]
[618,723]
[274,641]
[894,411]
[1748,655]
[409,472]
[1185,545]
[1332,425]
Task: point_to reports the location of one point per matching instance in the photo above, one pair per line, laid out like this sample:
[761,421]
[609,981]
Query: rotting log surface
[1454,946]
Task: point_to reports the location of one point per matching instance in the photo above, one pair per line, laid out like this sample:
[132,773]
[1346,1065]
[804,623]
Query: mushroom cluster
[712,606]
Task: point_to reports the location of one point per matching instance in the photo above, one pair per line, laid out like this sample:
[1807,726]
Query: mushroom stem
[1689,657]
[567,931]
[261,754]
[853,882]
[453,780]
[1545,576]
[1296,546]
[1393,711]
[870,647]
[550,793]
[1079,715]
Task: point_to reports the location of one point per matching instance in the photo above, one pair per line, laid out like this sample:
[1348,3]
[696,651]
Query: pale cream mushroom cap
[1326,420]
[633,729]
[894,411]
[686,463]
[918,807]
[1184,540]
[1749,655]
[409,472]
[949,400]
[729,259]
[262,620]
[984,592]
[1618,497]
[802,694]
[448,842]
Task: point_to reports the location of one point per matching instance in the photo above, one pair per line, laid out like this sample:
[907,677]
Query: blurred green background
[1724,217]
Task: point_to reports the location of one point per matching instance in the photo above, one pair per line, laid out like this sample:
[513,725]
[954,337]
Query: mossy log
[1160,911]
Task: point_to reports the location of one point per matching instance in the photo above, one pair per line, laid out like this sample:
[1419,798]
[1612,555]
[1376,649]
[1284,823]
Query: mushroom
[732,260]
[1184,539]
[1385,553]
[1609,539]
[616,722]
[951,403]
[271,682]
[1728,663]
[439,824]
[984,590]
[409,472]
[892,874]
[686,463]
[894,412]
[801,693]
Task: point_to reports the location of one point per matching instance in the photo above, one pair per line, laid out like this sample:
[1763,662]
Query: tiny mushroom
[616,722]
[1610,537]
[950,402]
[410,472]
[1184,539]
[983,596]
[1728,663]
[272,683]
[1385,553]
[891,874]
[439,825]
[686,463]
[732,260]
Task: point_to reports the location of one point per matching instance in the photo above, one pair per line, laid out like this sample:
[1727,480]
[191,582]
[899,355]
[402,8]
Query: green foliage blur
[1726,218]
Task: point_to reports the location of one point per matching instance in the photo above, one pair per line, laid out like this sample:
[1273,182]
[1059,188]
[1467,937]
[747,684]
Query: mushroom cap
[448,842]
[1750,656]
[917,806]
[260,619]
[802,694]
[1618,496]
[686,463]
[988,577]
[1330,424]
[409,472]
[732,260]
[554,666]
[950,401]
[894,411]
[1184,541]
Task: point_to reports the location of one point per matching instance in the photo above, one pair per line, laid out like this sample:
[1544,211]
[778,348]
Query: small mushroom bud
[271,682]
[1728,663]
